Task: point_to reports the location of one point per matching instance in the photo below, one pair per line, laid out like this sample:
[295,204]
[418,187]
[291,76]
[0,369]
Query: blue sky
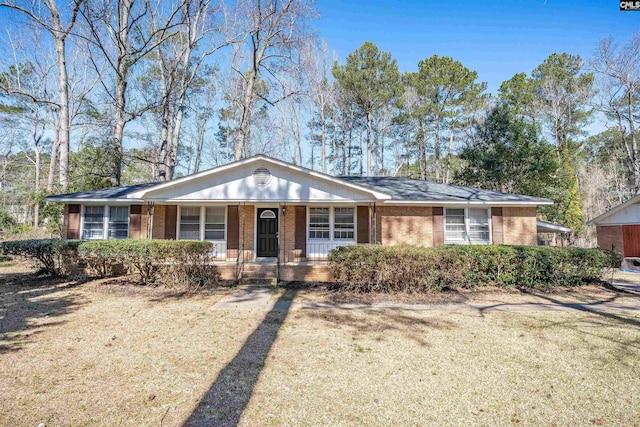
[495,38]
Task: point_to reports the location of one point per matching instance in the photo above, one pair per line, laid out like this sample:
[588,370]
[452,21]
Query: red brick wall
[247,221]
[519,226]
[287,234]
[610,236]
[408,225]
[306,273]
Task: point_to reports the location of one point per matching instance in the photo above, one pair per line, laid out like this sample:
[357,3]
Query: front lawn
[100,353]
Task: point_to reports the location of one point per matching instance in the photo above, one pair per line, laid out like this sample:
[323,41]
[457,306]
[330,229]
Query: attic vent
[262,176]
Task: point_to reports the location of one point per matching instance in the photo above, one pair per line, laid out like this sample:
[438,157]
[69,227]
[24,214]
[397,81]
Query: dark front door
[267,232]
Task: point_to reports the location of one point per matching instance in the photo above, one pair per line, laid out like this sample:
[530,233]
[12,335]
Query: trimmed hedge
[51,256]
[375,268]
[172,262]
[176,263]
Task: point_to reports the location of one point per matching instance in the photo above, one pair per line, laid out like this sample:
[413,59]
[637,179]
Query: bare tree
[618,70]
[317,67]
[275,30]
[182,68]
[50,18]
[121,32]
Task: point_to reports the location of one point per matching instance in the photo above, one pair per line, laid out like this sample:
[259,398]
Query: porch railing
[319,251]
[219,251]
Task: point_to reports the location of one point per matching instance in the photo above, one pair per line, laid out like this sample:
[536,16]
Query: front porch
[250,233]
[273,272]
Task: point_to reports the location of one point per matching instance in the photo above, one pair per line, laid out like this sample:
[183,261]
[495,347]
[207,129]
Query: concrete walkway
[259,297]
[247,297]
[524,307]
[633,288]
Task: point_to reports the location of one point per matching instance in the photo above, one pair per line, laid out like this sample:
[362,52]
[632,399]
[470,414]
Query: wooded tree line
[97,93]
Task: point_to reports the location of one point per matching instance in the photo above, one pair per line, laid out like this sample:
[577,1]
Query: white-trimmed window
[118,222]
[343,223]
[214,223]
[319,223]
[332,223]
[93,223]
[479,225]
[467,225]
[189,223]
[105,222]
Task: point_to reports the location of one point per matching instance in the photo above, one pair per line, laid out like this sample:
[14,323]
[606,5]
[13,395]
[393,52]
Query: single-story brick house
[619,228]
[261,208]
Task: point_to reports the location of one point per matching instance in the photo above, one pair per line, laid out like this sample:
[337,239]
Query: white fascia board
[260,158]
[94,201]
[259,201]
[468,203]
[613,210]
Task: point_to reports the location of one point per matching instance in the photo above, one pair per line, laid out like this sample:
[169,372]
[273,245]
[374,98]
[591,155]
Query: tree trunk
[361,153]
[199,144]
[64,120]
[245,120]
[423,152]
[36,187]
[51,178]
[449,155]
[164,174]
[369,157]
[118,132]
[634,141]
[437,148]
[323,139]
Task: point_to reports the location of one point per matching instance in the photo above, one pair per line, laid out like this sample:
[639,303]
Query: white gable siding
[628,215]
[286,185]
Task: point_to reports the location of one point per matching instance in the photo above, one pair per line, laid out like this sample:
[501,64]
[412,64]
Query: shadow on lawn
[599,323]
[25,299]
[230,393]
[380,324]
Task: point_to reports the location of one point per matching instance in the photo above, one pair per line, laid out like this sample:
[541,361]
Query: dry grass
[626,276]
[111,354]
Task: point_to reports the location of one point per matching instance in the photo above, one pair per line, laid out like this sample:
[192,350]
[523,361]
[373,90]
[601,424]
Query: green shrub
[7,221]
[176,263]
[367,268]
[51,256]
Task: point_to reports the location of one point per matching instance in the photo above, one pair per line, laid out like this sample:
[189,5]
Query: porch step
[271,282]
[259,273]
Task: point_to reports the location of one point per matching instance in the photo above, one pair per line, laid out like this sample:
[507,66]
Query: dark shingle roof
[408,189]
[401,189]
[105,193]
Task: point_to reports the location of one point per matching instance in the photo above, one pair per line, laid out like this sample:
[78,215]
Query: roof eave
[514,203]
[613,210]
[86,200]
